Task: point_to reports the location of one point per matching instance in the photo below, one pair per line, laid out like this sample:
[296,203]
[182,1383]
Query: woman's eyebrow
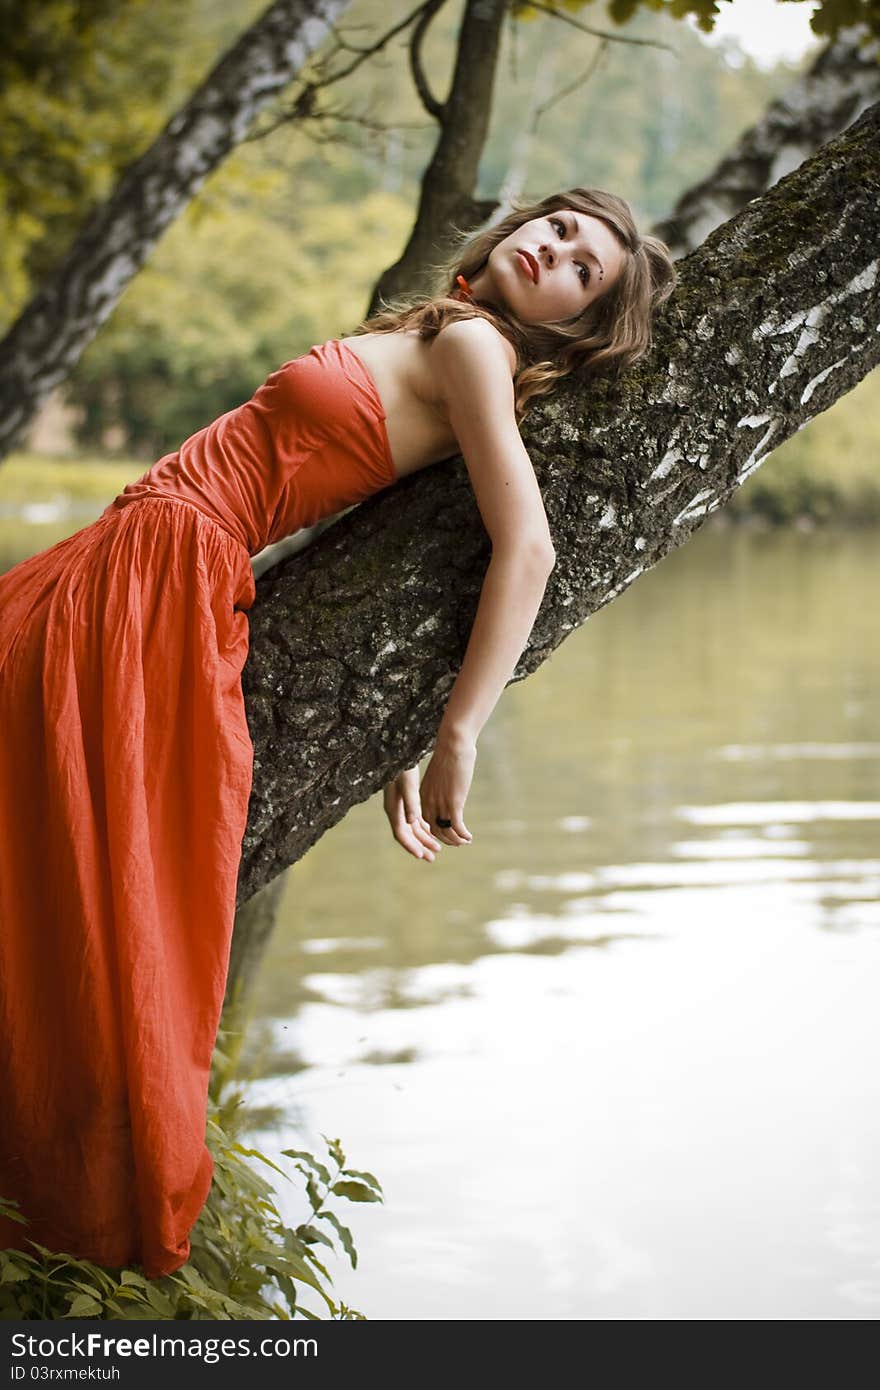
[591,255]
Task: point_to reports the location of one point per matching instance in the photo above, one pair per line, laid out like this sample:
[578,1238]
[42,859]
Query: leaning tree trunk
[842,82]
[355,643]
[50,335]
[254,925]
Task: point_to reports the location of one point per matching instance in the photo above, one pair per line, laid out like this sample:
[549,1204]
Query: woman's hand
[403,809]
[445,786]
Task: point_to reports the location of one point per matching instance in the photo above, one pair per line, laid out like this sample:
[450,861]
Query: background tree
[840,84]
[50,334]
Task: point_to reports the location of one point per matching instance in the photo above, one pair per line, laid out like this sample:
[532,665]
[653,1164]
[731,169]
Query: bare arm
[474,373]
[474,369]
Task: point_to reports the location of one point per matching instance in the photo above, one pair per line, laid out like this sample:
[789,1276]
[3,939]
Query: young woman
[126,763]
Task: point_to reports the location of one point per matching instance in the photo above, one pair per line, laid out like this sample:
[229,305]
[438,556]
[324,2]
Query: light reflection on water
[617,1059]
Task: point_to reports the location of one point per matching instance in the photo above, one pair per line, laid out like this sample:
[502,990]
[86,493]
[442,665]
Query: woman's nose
[548,254]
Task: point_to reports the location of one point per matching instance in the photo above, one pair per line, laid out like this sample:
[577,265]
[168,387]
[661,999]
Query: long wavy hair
[611,333]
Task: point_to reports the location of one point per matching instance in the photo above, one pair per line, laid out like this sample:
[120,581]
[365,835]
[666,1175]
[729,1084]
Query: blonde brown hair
[611,333]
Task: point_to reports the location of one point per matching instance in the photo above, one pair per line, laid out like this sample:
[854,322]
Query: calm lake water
[618,1058]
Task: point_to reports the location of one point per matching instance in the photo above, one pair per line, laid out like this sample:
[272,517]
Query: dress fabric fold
[125,773]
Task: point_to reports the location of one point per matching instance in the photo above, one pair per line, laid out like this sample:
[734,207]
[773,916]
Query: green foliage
[231,294]
[648,121]
[828,17]
[71,119]
[833,15]
[245,1261]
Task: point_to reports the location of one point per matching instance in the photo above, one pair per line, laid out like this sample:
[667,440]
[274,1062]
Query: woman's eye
[558,225]
[584,273]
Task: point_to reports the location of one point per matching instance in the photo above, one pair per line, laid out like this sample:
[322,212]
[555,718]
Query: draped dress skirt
[125,774]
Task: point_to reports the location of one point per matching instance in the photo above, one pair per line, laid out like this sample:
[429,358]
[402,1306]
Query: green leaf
[84,1307]
[313,1259]
[255,1153]
[12,1272]
[86,1288]
[288,1288]
[355,1192]
[344,1235]
[293,1265]
[310,1234]
[364,1177]
[160,1302]
[220,1180]
[9,1210]
[335,1150]
[318,1167]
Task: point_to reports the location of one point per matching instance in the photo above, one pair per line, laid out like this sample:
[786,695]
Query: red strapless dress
[125,775]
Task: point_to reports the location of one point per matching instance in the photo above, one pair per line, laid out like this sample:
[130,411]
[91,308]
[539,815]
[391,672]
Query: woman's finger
[412,806]
[412,836]
[461,829]
[420,837]
[403,832]
[417,822]
[423,834]
[454,834]
[407,837]
[418,847]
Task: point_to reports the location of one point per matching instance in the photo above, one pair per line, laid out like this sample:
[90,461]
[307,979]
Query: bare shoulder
[473,350]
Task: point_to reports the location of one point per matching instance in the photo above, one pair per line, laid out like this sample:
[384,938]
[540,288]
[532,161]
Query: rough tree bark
[356,641]
[52,332]
[842,82]
[446,200]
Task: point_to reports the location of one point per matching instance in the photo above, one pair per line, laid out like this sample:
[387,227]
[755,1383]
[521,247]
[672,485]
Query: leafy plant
[245,1261]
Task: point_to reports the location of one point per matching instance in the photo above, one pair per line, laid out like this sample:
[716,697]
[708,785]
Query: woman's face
[551,268]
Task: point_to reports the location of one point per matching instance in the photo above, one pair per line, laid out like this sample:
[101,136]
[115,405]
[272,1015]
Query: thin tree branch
[571,86]
[435,108]
[319,128]
[364,53]
[304,106]
[597,33]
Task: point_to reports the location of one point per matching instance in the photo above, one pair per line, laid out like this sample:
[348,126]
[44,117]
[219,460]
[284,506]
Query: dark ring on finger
[443,823]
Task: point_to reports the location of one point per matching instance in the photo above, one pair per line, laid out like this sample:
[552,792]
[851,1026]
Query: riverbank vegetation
[246,1261]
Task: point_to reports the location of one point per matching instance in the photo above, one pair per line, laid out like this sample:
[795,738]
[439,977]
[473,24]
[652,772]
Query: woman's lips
[530,264]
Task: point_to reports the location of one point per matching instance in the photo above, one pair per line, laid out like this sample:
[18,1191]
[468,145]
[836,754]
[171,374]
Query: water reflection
[618,1058]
